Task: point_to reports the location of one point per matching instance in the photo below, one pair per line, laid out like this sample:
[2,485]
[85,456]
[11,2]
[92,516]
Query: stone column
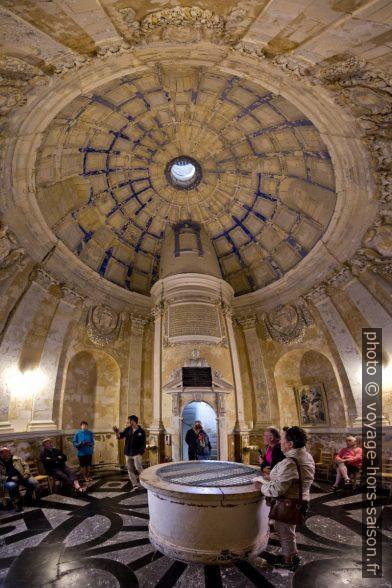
[346,346]
[156,428]
[257,368]
[68,311]
[14,337]
[135,363]
[372,311]
[240,425]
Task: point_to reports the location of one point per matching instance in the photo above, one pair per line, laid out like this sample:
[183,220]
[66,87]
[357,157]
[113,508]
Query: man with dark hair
[135,446]
[84,442]
[273,453]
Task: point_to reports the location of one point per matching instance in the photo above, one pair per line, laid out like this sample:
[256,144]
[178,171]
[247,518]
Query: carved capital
[72,296]
[227,310]
[13,259]
[43,278]
[138,322]
[247,321]
[157,311]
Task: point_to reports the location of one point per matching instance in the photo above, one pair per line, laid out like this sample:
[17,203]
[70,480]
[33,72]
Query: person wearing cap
[54,463]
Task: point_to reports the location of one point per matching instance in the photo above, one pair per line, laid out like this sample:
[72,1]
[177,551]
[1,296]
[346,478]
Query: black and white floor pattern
[101,541]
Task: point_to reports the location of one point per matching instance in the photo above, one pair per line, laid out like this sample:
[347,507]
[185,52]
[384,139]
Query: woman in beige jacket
[283,481]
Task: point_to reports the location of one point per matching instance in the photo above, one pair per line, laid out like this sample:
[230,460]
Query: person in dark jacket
[54,463]
[14,472]
[135,446]
[273,453]
[199,446]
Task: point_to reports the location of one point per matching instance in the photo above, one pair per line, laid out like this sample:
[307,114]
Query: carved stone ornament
[17,77]
[43,278]
[13,258]
[247,321]
[71,296]
[103,325]
[138,323]
[287,324]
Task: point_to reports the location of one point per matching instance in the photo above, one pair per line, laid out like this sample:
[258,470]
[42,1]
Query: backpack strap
[300,499]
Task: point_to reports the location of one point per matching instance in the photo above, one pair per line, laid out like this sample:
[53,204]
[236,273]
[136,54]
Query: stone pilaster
[157,425]
[347,349]
[14,337]
[240,425]
[257,368]
[68,312]
[138,324]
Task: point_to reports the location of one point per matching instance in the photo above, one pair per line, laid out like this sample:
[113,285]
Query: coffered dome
[263,184]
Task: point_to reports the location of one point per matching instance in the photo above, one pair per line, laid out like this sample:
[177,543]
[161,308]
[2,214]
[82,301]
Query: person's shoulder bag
[290,510]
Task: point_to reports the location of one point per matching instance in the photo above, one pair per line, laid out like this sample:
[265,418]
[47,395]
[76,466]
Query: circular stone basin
[205,512]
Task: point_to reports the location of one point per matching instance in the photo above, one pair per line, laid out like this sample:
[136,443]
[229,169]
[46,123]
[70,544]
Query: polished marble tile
[102,541]
[87,530]
[64,500]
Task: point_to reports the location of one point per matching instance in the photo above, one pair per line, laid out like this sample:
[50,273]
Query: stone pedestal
[197,517]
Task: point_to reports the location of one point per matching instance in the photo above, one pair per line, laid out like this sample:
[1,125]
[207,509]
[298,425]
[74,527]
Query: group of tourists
[287,472]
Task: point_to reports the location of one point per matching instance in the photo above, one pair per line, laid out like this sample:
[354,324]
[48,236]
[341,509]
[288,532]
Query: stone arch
[307,366]
[91,391]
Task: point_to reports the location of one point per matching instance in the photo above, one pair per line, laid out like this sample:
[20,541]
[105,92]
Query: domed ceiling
[266,194]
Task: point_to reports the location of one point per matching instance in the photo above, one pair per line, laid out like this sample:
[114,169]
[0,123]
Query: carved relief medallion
[103,325]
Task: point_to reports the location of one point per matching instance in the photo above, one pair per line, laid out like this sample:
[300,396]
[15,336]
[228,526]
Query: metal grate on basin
[213,474]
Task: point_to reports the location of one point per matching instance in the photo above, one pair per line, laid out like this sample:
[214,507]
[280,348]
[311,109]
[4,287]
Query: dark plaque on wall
[196,377]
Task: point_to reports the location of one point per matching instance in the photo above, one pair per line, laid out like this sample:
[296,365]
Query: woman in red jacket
[348,461]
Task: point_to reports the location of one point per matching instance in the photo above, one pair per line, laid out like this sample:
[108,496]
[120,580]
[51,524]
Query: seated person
[54,463]
[273,452]
[14,472]
[348,461]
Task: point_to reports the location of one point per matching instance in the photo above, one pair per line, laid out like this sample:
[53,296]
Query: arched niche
[91,391]
[307,367]
[198,410]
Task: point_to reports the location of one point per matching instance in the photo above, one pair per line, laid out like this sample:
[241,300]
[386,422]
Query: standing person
[84,442]
[199,446]
[14,472]
[135,446]
[283,481]
[348,461]
[273,452]
[54,463]
[191,440]
[202,443]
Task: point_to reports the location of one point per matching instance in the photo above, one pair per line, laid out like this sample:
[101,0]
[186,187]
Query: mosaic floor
[101,541]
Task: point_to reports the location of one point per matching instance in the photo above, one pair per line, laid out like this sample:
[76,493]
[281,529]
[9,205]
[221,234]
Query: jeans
[13,487]
[65,475]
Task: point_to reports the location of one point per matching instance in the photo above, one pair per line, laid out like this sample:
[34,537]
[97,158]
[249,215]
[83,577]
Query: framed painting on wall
[312,405]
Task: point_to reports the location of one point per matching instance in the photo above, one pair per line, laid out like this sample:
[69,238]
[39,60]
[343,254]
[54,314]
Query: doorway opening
[200,411]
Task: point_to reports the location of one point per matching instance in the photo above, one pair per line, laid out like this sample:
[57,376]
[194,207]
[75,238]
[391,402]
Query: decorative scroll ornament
[103,325]
[17,77]
[13,258]
[287,324]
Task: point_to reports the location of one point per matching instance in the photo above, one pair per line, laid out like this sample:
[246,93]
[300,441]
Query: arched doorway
[200,411]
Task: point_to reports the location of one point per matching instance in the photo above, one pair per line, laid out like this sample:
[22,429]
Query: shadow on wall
[92,391]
